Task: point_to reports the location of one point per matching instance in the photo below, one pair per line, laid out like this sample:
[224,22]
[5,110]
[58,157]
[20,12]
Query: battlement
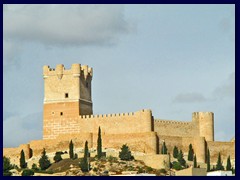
[107,115]
[202,113]
[114,115]
[76,70]
[170,121]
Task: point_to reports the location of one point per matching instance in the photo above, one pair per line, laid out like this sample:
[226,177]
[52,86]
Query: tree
[229,166]
[125,153]
[71,153]
[195,161]
[7,166]
[190,153]
[23,163]
[57,157]
[208,160]
[99,144]
[180,158]
[44,162]
[75,156]
[164,148]
[175,152]
[34,167]
[176,165]
[84,164]
[27,172]
[219,165]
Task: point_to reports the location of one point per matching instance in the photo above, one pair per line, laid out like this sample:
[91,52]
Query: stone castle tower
[67,93]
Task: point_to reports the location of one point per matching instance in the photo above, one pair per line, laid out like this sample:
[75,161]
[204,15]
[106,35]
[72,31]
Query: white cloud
[189,98]
[227,89]
[11,52]
[17,130]
[65,24]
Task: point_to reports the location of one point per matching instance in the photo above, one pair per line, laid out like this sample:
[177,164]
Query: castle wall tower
[205,122]
[67,93]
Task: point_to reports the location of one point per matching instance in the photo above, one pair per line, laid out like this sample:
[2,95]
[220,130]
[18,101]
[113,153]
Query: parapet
[107,115]
[170,122]
[76,70]
[202,113]
[144,111]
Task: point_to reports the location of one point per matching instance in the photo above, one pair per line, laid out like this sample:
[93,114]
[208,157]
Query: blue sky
[172,59]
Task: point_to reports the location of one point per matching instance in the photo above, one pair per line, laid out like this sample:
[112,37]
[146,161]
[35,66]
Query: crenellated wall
[173,128]
[138,122]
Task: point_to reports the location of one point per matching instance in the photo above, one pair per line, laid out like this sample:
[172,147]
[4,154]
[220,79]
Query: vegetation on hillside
[125,153]
[44,161]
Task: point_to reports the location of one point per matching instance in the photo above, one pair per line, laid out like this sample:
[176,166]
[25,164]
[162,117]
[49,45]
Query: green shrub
[57,157]
[125,153]
[140,170]
[34,167]
[163,171]
[95,169]
[177,165]
[7,166]
[27,172]
[7,173]
[112,159]
[75,156]
[130,168]
[149,169]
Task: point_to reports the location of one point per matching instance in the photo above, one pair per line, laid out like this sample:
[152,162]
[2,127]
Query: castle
[68,114]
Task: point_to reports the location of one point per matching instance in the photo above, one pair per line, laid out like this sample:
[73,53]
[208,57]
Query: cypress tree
[180,158]
[44,162]
[164,148]
[229,166]
[99,144]
[219,165]
[208,160]
[84,164]
[23,163]
[190,153]
[71,153]
[195,161]
[175,152]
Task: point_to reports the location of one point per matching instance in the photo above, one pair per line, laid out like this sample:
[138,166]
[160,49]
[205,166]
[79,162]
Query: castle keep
[68,114]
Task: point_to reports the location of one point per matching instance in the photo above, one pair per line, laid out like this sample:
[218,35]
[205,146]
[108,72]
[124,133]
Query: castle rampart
[137,122]
[173,128]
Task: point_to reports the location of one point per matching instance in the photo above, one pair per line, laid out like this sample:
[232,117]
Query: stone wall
[225,149]
[138,122]
[192,172]
[173,128]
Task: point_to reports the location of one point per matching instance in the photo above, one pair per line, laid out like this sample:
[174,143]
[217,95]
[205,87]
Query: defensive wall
[125,123]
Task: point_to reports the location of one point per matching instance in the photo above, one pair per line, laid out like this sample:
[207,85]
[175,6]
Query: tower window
[66,95]
[52,113]
[87,84]
[61,113]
